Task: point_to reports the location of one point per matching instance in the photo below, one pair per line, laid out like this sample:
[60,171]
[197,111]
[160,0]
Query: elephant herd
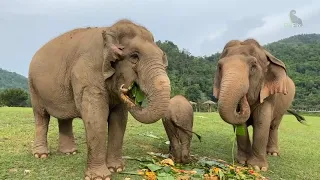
[87,73]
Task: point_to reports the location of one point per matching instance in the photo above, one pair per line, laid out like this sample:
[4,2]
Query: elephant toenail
[36,155]
[43,156]
[119,170]
[99,178]
[86,178]
[264,169]
[67,153]
[107,178]
[111,170]
[242,162]
[274,154]
[256,168]
[74,152]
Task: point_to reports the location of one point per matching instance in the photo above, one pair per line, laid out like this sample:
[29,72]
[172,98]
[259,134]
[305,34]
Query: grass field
[299,146]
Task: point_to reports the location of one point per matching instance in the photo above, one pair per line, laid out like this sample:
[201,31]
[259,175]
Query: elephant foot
[41,155]
[242,158]
[101,173]
[40,152]
[258,165]
[68,151]
[273,153]
[116,166]
[67,146]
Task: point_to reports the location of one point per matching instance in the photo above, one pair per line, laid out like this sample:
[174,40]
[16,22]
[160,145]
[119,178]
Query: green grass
[299,146]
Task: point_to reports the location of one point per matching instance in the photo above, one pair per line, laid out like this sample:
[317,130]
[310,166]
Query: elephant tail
[300,118]
[186,130]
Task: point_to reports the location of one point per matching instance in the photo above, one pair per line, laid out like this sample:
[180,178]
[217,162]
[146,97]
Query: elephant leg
[261,126]
[117,123]
[174,147]
[94,112]
[244,147]
[169,132]
[67,143]
[185,139]
[40,144]
[272,147]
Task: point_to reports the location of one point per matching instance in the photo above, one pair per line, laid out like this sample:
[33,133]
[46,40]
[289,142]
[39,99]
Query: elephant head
[132,56]
[246,75]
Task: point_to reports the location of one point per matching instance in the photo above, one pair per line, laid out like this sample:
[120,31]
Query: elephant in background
[253,88]
[86,73]
[178,123]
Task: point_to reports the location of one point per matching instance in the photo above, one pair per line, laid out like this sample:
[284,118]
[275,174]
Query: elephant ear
[112,52]
[276,78]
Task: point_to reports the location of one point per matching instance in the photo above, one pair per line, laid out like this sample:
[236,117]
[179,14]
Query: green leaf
[221,175]
[144,103]
[153,167]
[136,93]
[130,172]
[200,171]
[240,130]
[166,169]
[211,163]
[150,135]
[139,95]
[165,176]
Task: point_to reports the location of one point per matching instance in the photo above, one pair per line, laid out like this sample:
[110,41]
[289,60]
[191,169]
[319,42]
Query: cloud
[276,22]
[218,33]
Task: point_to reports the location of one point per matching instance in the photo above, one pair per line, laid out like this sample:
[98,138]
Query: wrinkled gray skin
[253,88]
[85,73]
[178,123]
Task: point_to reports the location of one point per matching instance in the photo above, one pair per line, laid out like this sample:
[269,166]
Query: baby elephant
[178,123]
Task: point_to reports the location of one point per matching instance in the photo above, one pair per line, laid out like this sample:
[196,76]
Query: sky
[202,27]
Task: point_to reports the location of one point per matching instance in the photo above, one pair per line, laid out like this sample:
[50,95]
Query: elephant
[253,89]
[87,73]
[178,123]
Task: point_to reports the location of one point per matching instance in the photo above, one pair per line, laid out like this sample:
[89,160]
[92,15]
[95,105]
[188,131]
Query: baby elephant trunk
[185,152]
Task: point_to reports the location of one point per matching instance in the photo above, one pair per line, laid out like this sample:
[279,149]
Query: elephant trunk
[233,106]
[156,85]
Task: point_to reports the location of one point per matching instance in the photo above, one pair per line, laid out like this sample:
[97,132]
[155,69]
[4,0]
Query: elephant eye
[253,67]
[134,57]
[219,67]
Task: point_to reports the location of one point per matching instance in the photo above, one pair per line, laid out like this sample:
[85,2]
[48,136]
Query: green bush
[14,97]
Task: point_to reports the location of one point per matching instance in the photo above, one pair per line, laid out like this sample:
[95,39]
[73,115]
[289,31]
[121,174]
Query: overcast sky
[200,26]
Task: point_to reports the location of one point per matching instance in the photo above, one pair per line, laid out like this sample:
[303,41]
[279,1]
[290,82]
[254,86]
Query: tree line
[15,97]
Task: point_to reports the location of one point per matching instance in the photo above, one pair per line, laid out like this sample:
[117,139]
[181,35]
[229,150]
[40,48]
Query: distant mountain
[12,80]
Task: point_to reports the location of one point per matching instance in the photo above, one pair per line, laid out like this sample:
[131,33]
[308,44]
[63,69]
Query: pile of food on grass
[159,167]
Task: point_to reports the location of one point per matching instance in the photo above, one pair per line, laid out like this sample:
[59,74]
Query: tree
[193,92]
[14,97]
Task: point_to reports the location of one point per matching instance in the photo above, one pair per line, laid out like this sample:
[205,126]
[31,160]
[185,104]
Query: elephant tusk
[123,90]
[127,100]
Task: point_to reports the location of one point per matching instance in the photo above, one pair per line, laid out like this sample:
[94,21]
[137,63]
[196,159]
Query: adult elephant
[85,73]
[253,88]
